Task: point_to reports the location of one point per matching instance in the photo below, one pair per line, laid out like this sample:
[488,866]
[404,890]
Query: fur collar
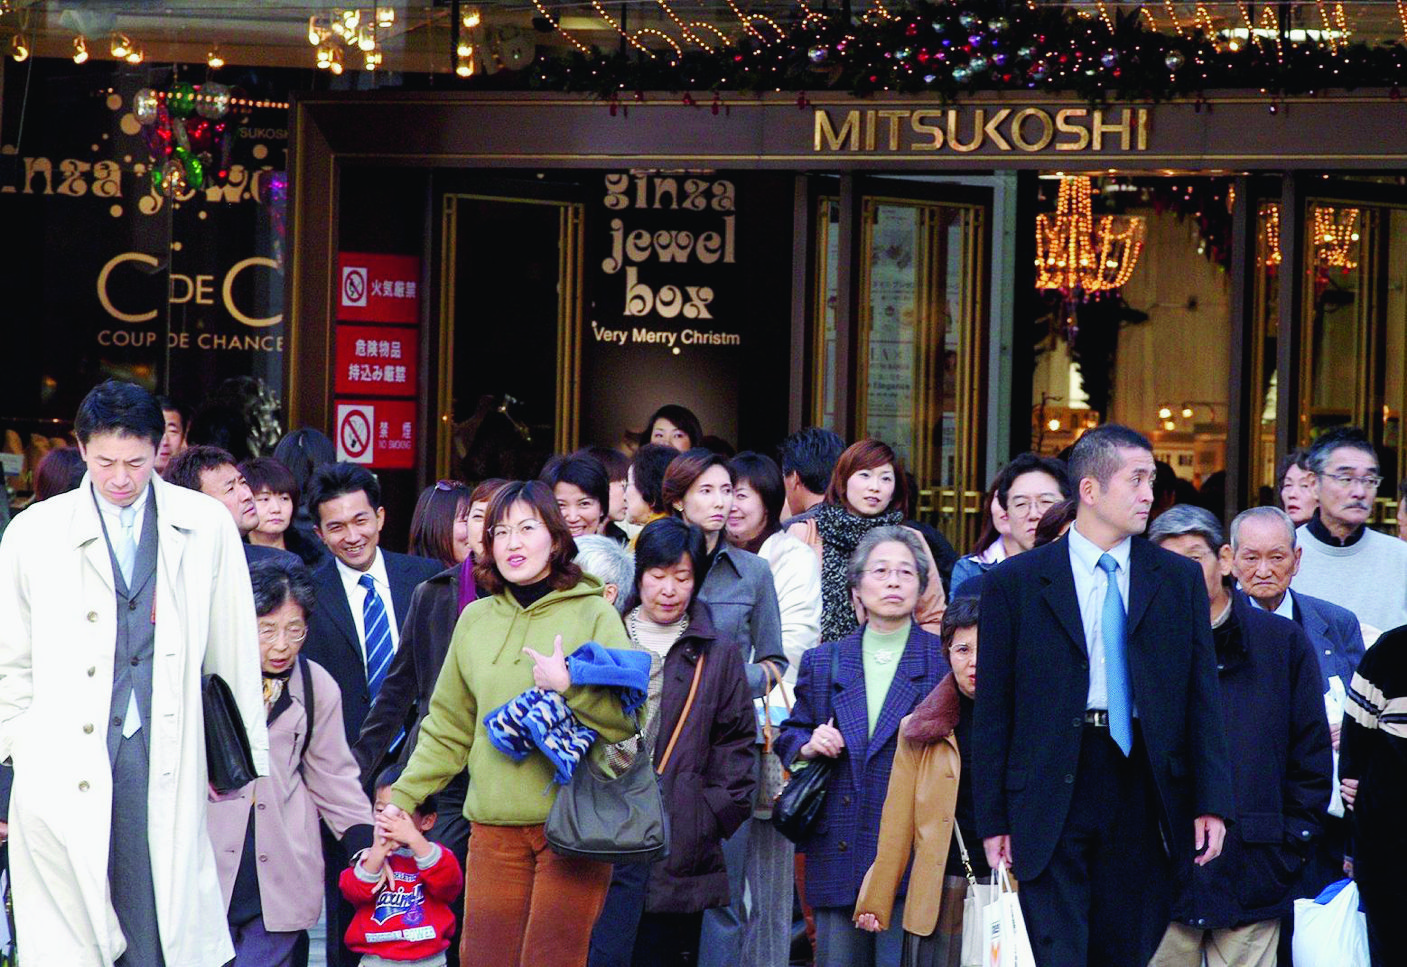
[935,717]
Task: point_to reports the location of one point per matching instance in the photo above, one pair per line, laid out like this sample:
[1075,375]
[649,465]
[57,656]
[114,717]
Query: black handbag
[800,803]
[619,820]
[228,758]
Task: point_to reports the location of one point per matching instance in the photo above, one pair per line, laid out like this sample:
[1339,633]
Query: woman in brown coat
[930,793]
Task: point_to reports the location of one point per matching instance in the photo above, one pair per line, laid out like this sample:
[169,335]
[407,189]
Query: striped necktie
[1112,622]
[377,630]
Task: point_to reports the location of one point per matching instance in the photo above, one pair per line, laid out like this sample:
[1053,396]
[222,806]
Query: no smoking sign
[379,434]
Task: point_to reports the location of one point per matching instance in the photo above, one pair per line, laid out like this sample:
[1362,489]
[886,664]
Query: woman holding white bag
[930,793]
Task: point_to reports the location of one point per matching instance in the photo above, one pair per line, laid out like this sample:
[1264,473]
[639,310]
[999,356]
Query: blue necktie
[1112,630]
[377,629]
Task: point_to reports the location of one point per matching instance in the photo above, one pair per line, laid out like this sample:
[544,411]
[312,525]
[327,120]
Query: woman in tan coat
[930,792]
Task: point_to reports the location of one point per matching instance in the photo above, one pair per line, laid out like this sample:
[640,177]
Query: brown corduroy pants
[524,905]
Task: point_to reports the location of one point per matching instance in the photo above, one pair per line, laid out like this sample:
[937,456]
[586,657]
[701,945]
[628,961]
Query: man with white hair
[1265,559]
[609,560]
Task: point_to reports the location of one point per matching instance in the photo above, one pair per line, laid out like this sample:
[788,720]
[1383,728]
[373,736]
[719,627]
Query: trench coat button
[83,786]
[261,805]
[88,729]
[263,857]
[92,670]
[1069,779]
[92,616]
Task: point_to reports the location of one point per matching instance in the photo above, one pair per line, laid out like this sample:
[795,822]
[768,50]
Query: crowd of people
[1182,725]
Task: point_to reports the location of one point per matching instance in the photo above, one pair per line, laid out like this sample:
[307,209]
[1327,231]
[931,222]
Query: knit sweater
[1369,577]
[486,668]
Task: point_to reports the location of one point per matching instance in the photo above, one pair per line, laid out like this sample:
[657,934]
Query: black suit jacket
[1034,683]
[332,635]
[254,553]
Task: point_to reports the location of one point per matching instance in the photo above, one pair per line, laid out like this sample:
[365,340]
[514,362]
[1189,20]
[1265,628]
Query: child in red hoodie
[401,888]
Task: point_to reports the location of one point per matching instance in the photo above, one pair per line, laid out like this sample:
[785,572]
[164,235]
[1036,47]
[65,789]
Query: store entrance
[900,324]
[510,323]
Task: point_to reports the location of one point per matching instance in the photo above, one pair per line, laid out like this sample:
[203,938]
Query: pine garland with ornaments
[957,49]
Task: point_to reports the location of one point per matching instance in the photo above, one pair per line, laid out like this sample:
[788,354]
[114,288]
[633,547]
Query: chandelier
[1078,256]
[1268,252]
[1336,237]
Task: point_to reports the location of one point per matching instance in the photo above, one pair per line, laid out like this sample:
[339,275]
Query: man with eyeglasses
[1026,488]
[1343,560]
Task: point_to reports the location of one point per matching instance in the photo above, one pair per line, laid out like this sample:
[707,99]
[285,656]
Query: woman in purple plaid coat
[886,667]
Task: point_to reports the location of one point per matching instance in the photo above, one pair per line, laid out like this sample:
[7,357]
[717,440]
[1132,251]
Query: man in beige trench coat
[115,598]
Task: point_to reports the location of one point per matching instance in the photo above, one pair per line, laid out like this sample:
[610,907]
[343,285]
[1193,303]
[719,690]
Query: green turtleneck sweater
[882,651]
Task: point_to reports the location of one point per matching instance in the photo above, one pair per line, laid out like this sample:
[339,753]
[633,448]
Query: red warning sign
[376,361]
[377,434]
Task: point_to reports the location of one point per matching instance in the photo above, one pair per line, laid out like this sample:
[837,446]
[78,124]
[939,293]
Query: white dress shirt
[112,514]
[356,598]
[1091,585]
[1286,608]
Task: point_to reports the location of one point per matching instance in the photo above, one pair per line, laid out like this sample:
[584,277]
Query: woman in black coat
[706,768]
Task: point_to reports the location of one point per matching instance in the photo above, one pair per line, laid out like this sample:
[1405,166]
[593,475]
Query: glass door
[919,324]
[1353,325]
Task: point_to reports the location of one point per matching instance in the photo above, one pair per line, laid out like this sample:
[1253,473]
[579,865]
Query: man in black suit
[1098,726]
[214,473]
[362,594]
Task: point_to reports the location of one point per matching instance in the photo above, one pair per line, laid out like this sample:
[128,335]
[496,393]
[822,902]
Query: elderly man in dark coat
[1278,737]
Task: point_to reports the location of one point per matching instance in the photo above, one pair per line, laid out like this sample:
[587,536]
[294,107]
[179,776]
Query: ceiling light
[373,59]
[213,59]
[120,46]
[80,50]
[351,19]
[317,29]
[463,50]
[135,56]
[1053,425]
[1187,412]
[366,38]
[1164,413]
[472,19]
[385,16]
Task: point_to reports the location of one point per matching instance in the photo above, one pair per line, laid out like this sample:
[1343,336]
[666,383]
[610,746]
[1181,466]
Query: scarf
[467,591]
[840,532]
[274,684]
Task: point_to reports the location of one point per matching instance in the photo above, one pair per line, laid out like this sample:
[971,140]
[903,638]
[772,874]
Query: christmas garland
[957,49]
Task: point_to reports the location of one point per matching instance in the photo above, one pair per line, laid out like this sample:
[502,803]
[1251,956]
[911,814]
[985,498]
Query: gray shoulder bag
[618,820]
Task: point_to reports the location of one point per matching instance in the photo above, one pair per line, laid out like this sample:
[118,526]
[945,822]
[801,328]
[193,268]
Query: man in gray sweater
[1344,561]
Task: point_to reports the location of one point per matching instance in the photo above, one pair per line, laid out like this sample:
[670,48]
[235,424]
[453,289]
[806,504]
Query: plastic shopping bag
[1329,930]
[1005,928]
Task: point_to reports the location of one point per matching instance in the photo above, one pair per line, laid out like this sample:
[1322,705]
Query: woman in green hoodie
[524,904]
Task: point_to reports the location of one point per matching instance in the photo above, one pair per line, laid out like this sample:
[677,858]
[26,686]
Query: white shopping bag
[1329,930]
[1005,927]
[1334,700]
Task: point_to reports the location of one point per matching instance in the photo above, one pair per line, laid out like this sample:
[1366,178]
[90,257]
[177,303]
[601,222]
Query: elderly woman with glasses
[267,847]
[886,667]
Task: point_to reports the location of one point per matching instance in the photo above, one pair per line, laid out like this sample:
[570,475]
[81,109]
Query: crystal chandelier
[1078,256]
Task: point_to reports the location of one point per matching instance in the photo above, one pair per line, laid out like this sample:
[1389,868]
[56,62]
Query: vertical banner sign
[675,313]
[380,360]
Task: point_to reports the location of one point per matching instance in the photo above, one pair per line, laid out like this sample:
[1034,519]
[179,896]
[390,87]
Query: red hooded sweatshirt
[411,920]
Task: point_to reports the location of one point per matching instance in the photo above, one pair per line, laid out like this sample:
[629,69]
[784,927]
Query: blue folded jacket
[628,671]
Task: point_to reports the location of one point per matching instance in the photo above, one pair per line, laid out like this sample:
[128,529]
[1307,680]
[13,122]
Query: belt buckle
[1097,717]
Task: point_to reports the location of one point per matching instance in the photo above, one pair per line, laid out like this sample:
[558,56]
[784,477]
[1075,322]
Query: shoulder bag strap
[307,708]
[962,851]
[683,716]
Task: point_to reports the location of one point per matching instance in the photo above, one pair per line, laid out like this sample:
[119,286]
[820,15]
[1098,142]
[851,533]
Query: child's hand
[402,829]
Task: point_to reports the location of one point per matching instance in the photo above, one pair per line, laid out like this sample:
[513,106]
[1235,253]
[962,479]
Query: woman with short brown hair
[529,905]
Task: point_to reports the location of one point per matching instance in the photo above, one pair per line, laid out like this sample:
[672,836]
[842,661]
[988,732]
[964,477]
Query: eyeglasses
[1369,481]
[295,634]
[884,573]
[1023,505]
[526,529]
